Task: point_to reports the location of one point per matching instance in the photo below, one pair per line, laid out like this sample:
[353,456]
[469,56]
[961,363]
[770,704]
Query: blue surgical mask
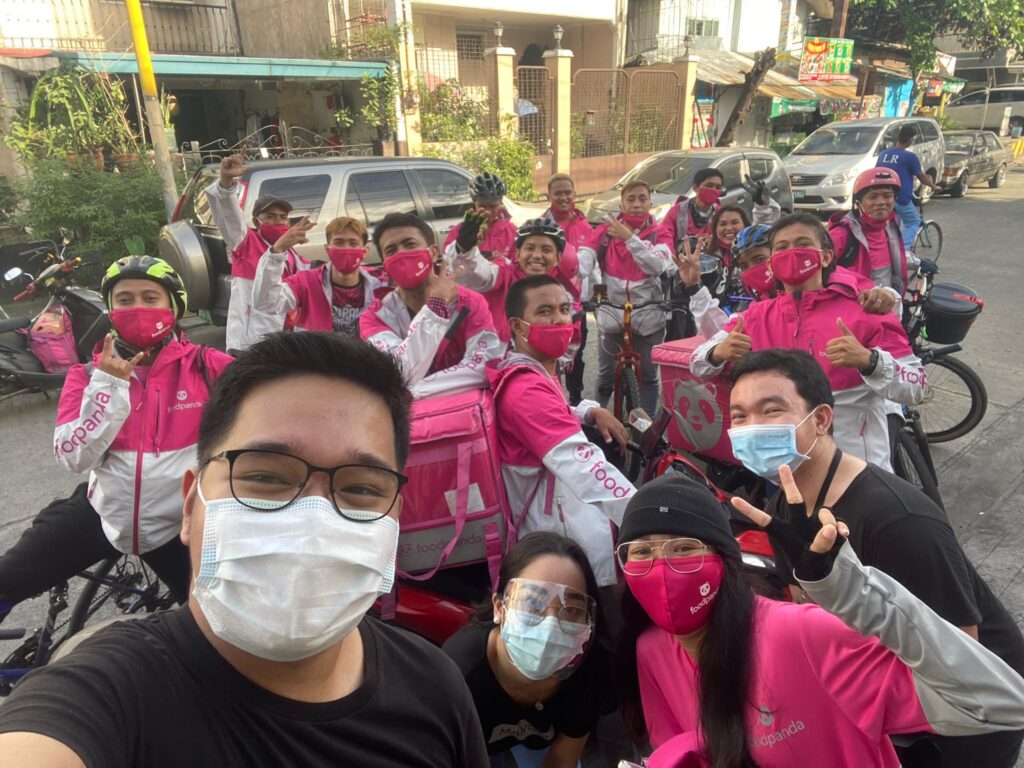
[764,448]
[540,650]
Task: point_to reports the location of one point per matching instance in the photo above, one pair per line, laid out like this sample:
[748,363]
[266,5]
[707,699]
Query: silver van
[823,166]
[985,108]
[319,187]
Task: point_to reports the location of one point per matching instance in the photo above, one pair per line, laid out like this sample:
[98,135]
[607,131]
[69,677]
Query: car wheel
[999,179]
[961,186]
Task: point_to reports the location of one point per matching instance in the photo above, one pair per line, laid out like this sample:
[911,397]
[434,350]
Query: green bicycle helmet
[146,268]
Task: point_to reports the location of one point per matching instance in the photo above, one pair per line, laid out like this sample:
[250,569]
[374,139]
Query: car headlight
[659,211]
[838,179]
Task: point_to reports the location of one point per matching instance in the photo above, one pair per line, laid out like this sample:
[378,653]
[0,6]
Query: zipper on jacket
[156,429]
[138,469]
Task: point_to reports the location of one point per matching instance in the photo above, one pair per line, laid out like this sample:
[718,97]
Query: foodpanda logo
[182,395]
[583,453]
[704,589]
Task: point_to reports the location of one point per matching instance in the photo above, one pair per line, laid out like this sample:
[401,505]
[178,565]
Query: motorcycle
[21,372]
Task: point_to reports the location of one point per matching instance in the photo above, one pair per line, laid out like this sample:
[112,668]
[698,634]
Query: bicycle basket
[949,312]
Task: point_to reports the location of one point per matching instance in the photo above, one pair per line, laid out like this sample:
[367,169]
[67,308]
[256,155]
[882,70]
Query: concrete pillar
[501,63]
[686,68]
[559,64]
[407,100]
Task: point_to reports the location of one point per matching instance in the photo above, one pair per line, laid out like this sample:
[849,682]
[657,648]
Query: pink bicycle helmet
[876,177]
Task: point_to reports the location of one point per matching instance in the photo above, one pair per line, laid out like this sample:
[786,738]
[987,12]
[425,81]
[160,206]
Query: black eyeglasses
[275,480]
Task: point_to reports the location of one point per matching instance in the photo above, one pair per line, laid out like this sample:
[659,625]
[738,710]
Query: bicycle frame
[625,358]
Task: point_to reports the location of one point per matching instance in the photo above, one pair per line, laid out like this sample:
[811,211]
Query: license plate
[798,194]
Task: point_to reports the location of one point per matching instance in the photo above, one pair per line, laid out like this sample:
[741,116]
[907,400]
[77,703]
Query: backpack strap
[849,254]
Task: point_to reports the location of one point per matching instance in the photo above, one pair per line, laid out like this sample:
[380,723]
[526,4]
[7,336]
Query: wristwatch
[872,364]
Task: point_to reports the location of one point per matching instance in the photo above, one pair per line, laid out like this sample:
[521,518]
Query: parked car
[670,174]
[973,157]
[823,166]
[984,109]
[320,187]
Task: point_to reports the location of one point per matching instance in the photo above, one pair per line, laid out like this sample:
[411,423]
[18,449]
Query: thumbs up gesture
[844,351]
[733,347]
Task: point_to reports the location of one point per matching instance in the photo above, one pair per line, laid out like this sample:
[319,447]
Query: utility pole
[841,7]
[154,116]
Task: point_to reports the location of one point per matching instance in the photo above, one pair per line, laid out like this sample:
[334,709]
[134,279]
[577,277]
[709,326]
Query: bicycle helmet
[876,177]
[749,237]
[541,227]
[146,268]
[487,189]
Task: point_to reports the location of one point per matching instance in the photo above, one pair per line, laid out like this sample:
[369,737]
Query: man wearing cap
[245,246]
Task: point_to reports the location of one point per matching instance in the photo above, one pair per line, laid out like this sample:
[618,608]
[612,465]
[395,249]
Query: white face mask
[543,649]
[286,585]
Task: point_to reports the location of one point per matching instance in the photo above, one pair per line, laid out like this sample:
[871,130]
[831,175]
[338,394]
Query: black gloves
[469,231]
[758,191]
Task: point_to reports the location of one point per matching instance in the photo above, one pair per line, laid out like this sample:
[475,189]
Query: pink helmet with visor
[876,177]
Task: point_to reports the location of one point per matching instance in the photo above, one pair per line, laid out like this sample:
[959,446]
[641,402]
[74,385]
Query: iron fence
[271,142]
[624,111]
[360,30]
[535,107]
[98,25]
[455,91]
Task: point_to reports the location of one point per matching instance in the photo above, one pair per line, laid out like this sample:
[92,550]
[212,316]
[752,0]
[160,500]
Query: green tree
[982,25]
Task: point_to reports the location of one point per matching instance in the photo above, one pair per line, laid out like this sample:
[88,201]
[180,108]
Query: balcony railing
[172,26]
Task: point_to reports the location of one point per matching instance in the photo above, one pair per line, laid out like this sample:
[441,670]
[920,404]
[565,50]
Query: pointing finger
[789,487]
[137,359]
[108,347]
[752,513]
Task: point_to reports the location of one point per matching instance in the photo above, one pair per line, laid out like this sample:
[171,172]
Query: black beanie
[675,504]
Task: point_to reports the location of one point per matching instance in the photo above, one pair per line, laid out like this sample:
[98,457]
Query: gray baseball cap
[265,201]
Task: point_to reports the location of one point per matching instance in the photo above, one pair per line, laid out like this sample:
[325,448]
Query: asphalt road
[981,475]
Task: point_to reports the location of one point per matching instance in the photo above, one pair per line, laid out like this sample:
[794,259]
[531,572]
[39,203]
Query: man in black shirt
[778,394]
[291,522]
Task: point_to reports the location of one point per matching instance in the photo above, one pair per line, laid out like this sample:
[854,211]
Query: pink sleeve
[887,334]
[665,237]
[651,666]
[839,236]
[70,405]
[669,224]
[370,323]
[452,234]
[528,399]
[216,362]
[479,318]
[866,680]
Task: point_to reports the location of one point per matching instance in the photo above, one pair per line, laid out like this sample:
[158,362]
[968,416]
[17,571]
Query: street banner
[826,60]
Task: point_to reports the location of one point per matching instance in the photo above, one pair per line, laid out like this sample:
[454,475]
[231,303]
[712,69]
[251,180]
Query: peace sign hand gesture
[688,262]
[117,366]
[811,556]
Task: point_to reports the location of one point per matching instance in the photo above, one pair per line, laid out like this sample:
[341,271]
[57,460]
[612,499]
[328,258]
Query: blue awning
[253,67]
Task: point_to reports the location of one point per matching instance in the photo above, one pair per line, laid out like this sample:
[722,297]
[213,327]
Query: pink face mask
[346,260]
[273,232]
[679,603]
[409,269]
[635,220]
[709,195]
[142,327]
[795,266]
[550,340]
[759,278]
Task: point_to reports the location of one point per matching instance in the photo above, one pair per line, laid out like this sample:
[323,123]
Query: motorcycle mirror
[13,273]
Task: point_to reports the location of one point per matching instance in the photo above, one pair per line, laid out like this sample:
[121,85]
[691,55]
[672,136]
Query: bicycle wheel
[127,582]
[955,401]
[909,463]
[629,398]
[928,244]
[89,600]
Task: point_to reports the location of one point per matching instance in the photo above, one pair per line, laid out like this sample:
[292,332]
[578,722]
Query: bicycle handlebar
[930,354]
[666,305]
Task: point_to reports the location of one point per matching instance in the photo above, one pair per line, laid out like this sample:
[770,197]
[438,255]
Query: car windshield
[838,140]
[962,142]
[672,174]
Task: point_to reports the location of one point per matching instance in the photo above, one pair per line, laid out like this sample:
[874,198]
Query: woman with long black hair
[534,656]
[715,676]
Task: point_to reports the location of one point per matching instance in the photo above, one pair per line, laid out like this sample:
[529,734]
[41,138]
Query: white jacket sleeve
[700,366]
[589,268]
[707,314]
[478,274]
[767,214]
[901,380]
[653,259]
[591,480]
[80,444]
[962,687]
[468,373]
[270,294]
[227,214]
[583,409]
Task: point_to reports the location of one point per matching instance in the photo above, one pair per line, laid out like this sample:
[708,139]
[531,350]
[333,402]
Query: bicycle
[956,400]
[928,242]
[125,582]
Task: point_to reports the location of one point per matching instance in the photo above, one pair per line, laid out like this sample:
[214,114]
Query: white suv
[984,109]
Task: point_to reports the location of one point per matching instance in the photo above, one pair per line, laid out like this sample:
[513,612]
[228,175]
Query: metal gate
[534,107]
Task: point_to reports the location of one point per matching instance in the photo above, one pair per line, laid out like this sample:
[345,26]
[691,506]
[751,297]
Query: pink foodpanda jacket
[868,660]
[136,438]
[881,256]
[578,232]
[555,478]
[309,294]
[499,239]
[245,246]
[809,324]
[492,279]
[432,364]
[630,268]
